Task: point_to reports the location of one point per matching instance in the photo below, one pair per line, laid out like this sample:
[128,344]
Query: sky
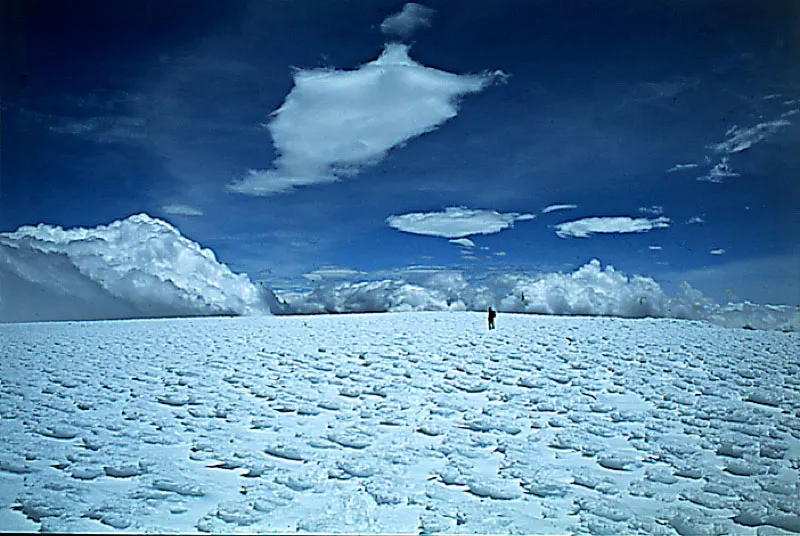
[307,140]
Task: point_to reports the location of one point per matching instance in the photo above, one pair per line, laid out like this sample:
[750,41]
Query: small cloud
[720,171]
[654,210]
[554,208]
[463,242]
[585,227]
[695,219]
[182,210]
[500,253]
[329,273]
[738,139]
[104,129]
[405,23]
[335,121]
[719,251]
[655,248]
[455,222]
[681,167]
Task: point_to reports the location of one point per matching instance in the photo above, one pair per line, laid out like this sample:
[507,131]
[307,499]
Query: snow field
[399,423]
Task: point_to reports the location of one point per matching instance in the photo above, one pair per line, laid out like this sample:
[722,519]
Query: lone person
[492,314]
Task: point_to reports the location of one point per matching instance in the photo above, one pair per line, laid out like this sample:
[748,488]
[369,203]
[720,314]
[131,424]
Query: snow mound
[132,268]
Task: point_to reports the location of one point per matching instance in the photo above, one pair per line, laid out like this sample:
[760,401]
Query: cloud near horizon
[586,227]
[463,242]
[137,267]
[456,222]
[332,273]
[589,290]
[143,267]
[333,122]
[405,23]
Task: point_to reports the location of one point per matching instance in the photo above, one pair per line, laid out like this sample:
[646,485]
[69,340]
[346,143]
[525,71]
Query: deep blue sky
[115,108]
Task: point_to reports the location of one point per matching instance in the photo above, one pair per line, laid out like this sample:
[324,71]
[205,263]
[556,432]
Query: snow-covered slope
[136,267]
[399,423]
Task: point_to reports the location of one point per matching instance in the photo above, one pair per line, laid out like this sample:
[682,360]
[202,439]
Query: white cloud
[332,273]
[718,251]
[695,219]
[554,208]
[412,17]
[738,139]
[585,227]
[182,210]
[137,267]
[500,253]
[589,290]
[655,248]
[654,210]
[463,242]
[681,167]
[104,128]
[333,122]
[456,222]
[720,171]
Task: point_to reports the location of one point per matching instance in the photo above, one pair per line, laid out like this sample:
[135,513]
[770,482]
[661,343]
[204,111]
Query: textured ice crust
[399,423]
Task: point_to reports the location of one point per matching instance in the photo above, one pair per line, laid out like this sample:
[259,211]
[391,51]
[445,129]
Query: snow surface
[399,423]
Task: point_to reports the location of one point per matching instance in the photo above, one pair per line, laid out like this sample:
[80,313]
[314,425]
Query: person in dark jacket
[492,314]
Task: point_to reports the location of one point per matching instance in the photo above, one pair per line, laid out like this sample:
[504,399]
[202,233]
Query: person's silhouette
[492,314]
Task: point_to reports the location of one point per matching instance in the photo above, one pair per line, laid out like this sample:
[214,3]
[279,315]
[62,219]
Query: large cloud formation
[456,222]
[333,122]
[590,290]
[137,267]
